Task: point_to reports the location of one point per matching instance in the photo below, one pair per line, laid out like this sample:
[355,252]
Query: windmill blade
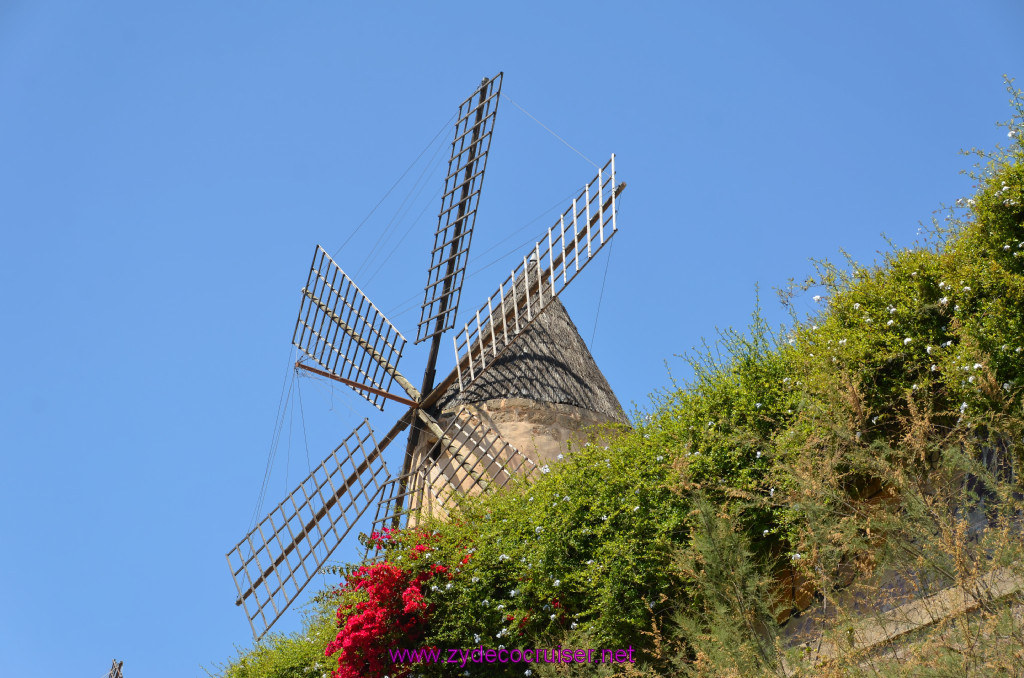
[557,258]
[468,458]
[471,457]
[401,497]
[459,202]
[275,561]
[341,329]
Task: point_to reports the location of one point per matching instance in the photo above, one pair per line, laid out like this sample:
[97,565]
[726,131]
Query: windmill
[115,670]
[352,342]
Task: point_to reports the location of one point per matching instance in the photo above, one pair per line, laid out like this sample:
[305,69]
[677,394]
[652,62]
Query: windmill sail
[459,202]
[275,561]
[468,458]
[556,259]
[341,329]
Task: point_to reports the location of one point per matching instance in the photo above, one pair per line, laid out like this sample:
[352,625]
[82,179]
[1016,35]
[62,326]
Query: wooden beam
[356,385]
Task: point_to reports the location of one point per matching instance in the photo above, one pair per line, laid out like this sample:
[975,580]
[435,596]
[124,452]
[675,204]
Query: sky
[166,170]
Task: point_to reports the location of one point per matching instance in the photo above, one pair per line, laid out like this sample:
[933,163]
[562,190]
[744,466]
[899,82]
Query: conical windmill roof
[550,363]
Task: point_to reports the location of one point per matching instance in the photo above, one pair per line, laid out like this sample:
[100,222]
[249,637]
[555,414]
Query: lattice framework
[462,185]
[554,261]
[344,332]
[278,557]
[470,457]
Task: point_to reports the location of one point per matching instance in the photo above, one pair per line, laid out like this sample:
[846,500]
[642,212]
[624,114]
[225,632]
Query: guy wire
[506,96]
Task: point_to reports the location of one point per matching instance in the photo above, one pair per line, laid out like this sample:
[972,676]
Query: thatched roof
[550,363]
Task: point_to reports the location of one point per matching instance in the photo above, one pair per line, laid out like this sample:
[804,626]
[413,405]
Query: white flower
[970,201]
[1011,134]
[892,309]
[560,456]
[590,562]
[856,307]
[512,593]
[1006,248]
[759,454]
[963,407]
[971,378]
[796,556]
[553,617]
[967,289]
[573,625]
[476,637]
[475,579]
[977,366]
[538,529]
[890,323]
[956,308]
[765,533]
[1006,386]
[842,342]
[545,469]
[942,285]
[907,341]
[816,297]
[636,508]
[771,492]
[558,582]
[659,458]
[604,517]
[486,602]
[757,405]
[928,350]
[944,300]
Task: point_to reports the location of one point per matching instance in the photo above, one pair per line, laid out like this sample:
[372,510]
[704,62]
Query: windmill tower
[521,372]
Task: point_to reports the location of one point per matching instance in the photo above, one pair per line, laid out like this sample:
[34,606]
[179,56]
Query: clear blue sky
[166,169]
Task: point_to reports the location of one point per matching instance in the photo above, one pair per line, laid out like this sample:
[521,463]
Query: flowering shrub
[384,609]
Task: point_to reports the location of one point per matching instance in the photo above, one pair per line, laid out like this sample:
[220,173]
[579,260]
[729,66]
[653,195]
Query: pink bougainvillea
[394,614]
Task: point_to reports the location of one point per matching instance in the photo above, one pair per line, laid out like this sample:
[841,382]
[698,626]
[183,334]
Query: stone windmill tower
[542,397]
